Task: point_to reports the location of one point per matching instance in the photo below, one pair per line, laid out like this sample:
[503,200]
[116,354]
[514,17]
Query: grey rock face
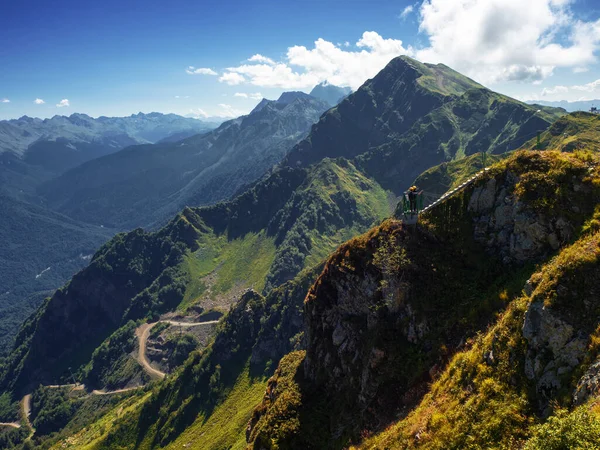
[554,349]
[588,385]
[510,229]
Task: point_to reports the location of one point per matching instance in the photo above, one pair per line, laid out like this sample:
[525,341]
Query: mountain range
[57,218]
[338,324]
[582,105]
[146,185]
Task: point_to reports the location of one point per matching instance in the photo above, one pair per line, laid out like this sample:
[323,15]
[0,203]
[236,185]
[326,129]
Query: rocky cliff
[392,306]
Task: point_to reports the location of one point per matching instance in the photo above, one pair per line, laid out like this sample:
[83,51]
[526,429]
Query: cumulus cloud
[5,100]
[39,101]
[555,90]
[261,59]
[200,71]
[406,12]
[303,67]
[588,91]
[594,86]
[230,111]
[232,78]
[506,40]
[254,96]
[63,103]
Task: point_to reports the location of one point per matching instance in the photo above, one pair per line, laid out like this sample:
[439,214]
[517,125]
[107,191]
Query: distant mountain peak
[264,102]
[330,93]
[289,97]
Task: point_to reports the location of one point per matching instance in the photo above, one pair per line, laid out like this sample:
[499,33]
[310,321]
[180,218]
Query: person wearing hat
[412,198]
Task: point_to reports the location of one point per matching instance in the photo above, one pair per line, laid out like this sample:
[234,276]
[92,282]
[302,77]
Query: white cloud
[346,44]
[182,96]
[580,69]
[255,96]
[406,11]
[198,113]
[63,103]
[594,86]
[39,101]
[232,79]
[304,68]
[5,100]
[506,40]
[200,71]
[555,90]
[588,91]
[230,111]
[261,59]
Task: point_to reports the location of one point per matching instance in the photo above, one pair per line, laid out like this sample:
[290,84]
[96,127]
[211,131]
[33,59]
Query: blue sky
[121,57]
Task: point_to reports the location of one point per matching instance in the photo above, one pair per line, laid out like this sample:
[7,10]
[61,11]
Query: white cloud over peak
[39,101]
[255,96]
[198,113]
[63,103]
[407,11]
[230,111]
[200,71]
[304,68]
[506,40]
[5,100]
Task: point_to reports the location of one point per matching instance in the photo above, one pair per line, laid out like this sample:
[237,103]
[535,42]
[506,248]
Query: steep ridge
[139,274]
[392,306]
[412,116]
[383,318]
[145,185]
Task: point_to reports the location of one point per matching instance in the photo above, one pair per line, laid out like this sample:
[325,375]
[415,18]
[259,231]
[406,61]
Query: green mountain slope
[374,345]
[207,258]
[412,116]
[204,256]
[384,316]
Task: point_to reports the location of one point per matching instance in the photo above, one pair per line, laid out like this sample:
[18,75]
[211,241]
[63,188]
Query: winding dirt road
[116,391]
[143,333]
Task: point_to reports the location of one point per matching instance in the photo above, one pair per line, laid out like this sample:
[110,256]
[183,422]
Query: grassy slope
[337,189]
[240,263]
[225,426]
[446,176]
[576,131]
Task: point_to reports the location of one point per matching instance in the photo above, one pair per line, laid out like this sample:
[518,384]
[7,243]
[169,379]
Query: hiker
[412,198]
